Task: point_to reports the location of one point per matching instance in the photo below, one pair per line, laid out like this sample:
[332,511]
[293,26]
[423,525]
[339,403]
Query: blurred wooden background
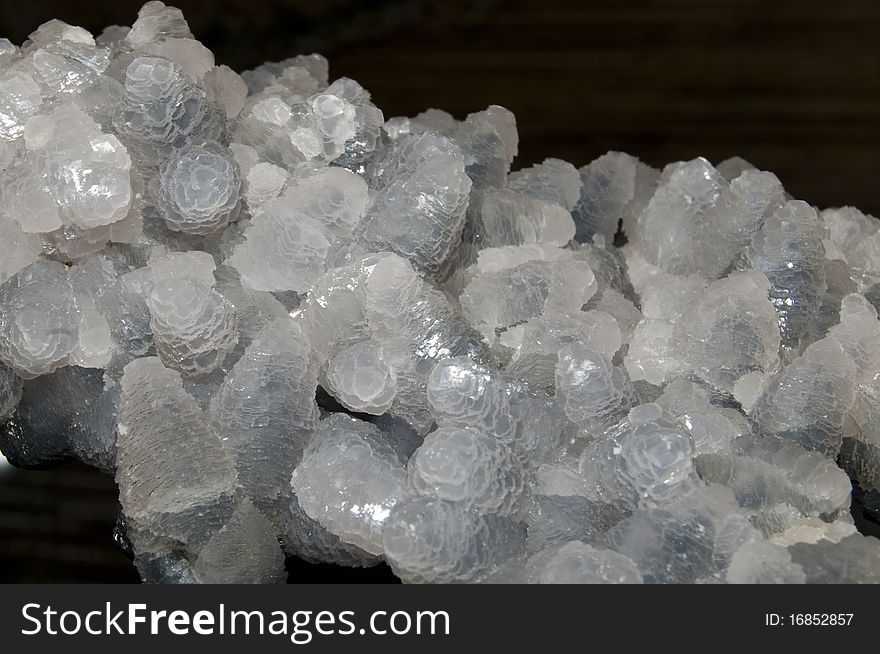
[791,85]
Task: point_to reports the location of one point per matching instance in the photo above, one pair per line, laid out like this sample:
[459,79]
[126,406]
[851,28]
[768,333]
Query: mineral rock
[579,563]
[200,189]
[174,485]
[293,328]
[375,481]
[436,541]
[461,465]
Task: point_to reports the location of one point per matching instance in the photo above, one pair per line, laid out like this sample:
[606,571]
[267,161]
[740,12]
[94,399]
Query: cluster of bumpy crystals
[291,327]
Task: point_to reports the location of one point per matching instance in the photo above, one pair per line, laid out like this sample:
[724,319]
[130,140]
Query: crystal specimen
[162,109]
[589,387]
[72,174]
[200,186]
[291,327]
[461,465]
[361,379]
[579,563]
[193,326]
[427,539]
[788,249]
[244,550]
[265,409]
[174,486]
[39,326]
[375,480]
[422,195]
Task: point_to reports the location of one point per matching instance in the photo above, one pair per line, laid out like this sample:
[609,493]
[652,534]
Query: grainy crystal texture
[292,327]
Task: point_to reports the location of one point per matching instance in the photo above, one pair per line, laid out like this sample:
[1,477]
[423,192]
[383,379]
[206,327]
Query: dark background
[791,85]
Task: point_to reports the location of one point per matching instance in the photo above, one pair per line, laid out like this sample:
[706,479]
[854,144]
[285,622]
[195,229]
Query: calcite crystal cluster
[291,326]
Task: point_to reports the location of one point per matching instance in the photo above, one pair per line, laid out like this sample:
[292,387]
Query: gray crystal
[580,563]
[462,465]
[39,326]
[291,327]
[199,189]
[431,540]
[375,481]
[173,485]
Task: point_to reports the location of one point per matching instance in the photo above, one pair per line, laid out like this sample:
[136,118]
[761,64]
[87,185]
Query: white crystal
[199,189]
[430,540]
[375,481]
[462,465]
[172,483]
[579,563]
[39,325]
[361,379]
[208,279]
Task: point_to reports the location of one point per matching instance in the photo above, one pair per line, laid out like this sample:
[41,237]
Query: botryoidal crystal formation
[291,326]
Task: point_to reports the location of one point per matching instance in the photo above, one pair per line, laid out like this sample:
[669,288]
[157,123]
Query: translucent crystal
[714,428]
[788,250]
[764,563]
[200,189]
[489,142]
[727,226]
[227,88]
[162,109]
[39,325]
[650,356]
[266,406]
[74,397]
[556,519]
[808,401]
[173,484]
[430,540]
[509,217]
[20,99]
[733,167]
[729,331]
[417,326]
[462,465]
[579,563]
[156,22]
[613,187]
[311,541]
[511,292]
[552,180]
[766,472]
[667,228]
[536,344]
[23,249]
[646,460]
[361,379]
[73,174]
[193,58]
[854,238]
[244,550]
[353,450]
[419,209]
[676,543]
[592,390]
[283,250]
[66,66]
[291,327]
[264,183]
[193,325]
[368,120]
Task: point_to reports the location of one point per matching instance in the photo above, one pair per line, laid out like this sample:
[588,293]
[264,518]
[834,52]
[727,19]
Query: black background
[791,85]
